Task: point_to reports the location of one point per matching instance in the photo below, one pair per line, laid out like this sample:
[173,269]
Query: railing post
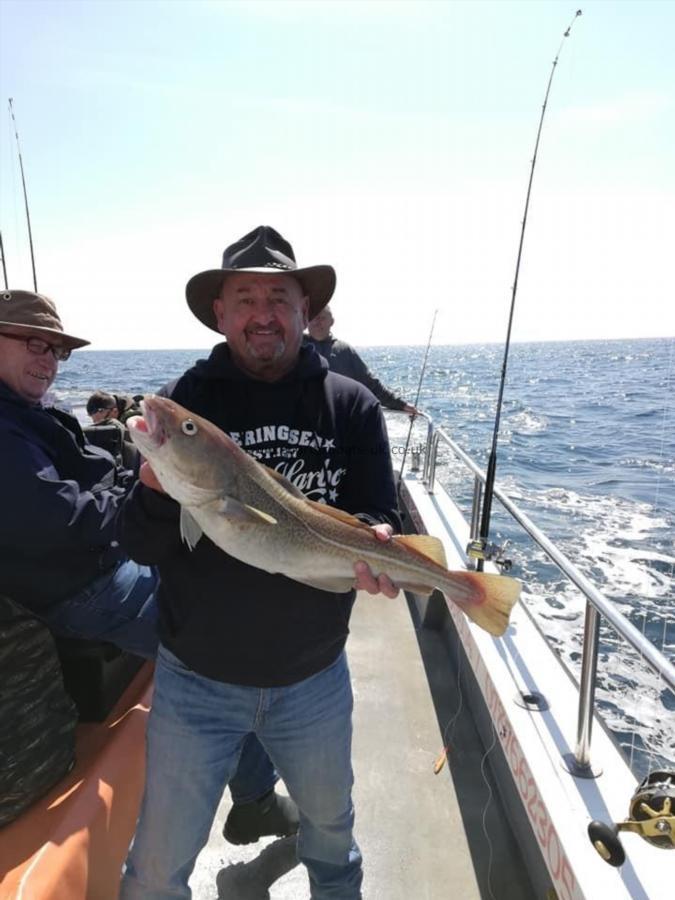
[475,515]
[427,452]
[432,465]
[589,669]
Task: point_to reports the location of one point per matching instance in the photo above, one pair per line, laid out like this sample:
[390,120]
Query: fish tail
[495,597]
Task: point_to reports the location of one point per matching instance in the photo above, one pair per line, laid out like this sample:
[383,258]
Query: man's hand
[365,580]
[148,477]
[411,410]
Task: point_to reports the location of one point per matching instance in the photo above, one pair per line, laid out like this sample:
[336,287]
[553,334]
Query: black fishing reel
[481,549]
[651,815]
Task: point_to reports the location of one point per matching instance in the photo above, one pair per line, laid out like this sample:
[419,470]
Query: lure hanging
[440,760]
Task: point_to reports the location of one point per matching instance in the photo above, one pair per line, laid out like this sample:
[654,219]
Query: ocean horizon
[206,347]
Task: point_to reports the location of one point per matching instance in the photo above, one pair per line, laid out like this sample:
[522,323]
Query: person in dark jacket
[244,651]
[103,407]
[344,359]
[59,552]
[109,414]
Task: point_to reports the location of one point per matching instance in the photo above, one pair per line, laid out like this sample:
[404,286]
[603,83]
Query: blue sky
[392,140]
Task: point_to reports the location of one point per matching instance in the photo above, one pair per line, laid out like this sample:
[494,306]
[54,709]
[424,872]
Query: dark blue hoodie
[59,502]
[228,620]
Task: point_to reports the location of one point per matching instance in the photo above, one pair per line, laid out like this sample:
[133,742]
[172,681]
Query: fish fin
[500,594]
[335,585]
[190,530]
[338,514]
[424,544]
[284,482]
[243,513]
[422,589]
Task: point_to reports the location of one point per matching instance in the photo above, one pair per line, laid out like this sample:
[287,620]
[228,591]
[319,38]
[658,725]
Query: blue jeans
[196,733]
[120,607]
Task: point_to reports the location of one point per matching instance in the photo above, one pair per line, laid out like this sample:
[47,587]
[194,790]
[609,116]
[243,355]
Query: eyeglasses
[39,347]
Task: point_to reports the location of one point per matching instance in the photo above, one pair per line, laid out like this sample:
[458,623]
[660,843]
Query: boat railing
[597,605]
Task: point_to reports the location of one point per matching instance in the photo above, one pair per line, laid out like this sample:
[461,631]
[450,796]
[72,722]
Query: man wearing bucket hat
[59,556]
[59,553]
[242,651]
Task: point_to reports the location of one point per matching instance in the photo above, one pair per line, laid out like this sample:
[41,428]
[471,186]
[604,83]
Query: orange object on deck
[70,844]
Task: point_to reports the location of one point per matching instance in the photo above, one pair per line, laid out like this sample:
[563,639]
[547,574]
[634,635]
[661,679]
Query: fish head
[193,460]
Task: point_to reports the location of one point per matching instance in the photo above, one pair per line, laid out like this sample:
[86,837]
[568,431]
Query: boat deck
[421,834]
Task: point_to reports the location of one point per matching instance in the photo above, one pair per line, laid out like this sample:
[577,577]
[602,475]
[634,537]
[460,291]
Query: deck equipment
[652,816]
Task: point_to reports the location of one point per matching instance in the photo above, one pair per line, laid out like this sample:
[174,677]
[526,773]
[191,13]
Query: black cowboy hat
[29,313]
[265,252]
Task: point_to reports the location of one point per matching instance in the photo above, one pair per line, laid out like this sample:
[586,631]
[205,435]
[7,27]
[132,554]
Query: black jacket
[343,359]
[228,620]
[59,503]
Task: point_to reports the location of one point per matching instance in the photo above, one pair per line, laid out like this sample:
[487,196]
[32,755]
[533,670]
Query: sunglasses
[39,347]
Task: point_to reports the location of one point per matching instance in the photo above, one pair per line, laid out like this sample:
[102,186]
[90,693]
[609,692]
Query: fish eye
[188,427]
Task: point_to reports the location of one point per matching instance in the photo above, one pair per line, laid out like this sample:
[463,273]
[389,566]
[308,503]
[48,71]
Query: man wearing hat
[59,553]
[243,651]
[59,556]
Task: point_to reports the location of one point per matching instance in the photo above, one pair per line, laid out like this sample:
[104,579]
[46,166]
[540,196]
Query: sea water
[586,448]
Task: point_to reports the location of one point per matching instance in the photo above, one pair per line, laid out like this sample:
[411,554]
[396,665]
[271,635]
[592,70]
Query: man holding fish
[279,501]
[245,651]
[59,555]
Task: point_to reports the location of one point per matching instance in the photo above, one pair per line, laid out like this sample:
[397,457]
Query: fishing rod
[4,266]
[25,194]
[478,548]
[417,397]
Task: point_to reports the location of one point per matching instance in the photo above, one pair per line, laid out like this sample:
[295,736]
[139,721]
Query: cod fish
[256,515]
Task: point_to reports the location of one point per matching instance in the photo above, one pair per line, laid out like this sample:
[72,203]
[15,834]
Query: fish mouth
[147,428]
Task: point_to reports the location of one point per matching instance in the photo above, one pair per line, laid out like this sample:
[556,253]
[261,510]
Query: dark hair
[100,400]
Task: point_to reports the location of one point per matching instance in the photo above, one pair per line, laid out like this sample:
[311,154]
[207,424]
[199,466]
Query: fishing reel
[487,552]
[652,816]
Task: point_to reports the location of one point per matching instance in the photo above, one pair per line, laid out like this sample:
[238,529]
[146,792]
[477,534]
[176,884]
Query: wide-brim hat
[265,252]
[29,313]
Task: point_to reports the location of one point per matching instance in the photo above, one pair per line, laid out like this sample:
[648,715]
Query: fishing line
[478,549]
[658,703]
[417,397]
[440,761]
[658,687]
[449,727]
[25,194]
[488,803]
